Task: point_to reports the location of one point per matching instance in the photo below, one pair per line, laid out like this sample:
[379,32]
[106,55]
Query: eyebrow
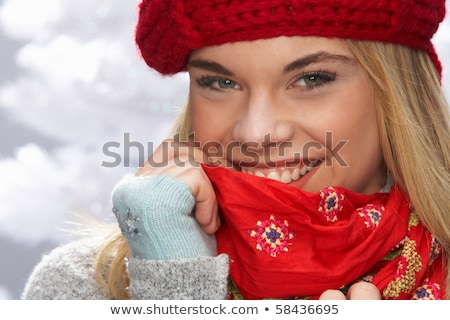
[297,64]
[209,66]
[316,58]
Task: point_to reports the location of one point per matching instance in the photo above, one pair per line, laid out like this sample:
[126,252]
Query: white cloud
[41,191]
[63,61]
[28,19]
[85,82]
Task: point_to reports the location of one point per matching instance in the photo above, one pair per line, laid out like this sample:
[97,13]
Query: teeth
[296,174]
[304,170]
[273,175]
[285,175]
[259,174]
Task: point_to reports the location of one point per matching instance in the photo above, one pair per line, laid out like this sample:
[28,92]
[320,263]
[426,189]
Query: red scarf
[287,243]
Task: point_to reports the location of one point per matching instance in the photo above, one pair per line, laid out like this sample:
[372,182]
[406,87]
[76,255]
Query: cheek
[208,123]
[362,152]
[360,127]
[357,116]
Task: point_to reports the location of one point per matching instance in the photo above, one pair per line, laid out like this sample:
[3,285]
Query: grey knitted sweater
[67,273]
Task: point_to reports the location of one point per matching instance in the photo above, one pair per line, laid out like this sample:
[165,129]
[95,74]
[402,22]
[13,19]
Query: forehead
[276,48]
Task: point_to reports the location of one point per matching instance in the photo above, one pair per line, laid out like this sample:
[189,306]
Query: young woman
[311,160]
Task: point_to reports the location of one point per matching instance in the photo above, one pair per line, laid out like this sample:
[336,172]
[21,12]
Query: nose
[264,123]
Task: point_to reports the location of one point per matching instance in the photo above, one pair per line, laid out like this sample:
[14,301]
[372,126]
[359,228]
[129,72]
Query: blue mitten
[156,215]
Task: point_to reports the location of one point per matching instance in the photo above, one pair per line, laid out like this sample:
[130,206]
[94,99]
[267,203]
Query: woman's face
[295,109]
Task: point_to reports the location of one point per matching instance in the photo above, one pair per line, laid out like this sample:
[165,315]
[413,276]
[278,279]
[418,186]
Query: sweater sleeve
[200,278]
[68,273]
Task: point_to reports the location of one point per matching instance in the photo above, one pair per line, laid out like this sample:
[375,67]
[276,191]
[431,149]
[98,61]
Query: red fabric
[168,30]
[284,242]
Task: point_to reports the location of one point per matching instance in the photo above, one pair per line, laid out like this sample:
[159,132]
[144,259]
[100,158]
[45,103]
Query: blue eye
[314,79]
[226,84]
[217,83]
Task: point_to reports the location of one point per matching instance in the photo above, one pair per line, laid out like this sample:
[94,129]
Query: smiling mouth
[283,174]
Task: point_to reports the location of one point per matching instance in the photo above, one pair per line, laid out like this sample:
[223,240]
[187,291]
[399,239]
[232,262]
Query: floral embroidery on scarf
[397,250]
[428,291]
[272,236]
[413,220]
[408,265]
[371,215]
[331,203]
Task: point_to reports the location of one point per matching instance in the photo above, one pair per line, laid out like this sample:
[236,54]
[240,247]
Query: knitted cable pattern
[168,30]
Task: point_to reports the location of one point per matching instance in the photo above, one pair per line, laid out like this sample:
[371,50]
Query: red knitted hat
[168,30]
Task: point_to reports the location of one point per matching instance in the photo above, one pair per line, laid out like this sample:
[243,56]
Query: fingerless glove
[156,215]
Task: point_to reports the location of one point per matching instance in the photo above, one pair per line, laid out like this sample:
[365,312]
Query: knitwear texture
[156,215]
[68,273]
[168,30]
[201,278]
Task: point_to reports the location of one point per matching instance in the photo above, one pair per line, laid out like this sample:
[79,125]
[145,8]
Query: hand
[182,161]
[155,214]
[359,291]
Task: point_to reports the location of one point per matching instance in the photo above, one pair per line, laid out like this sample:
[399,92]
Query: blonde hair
[413,121]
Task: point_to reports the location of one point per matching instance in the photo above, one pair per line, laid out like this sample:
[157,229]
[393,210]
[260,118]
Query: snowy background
[72,85]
